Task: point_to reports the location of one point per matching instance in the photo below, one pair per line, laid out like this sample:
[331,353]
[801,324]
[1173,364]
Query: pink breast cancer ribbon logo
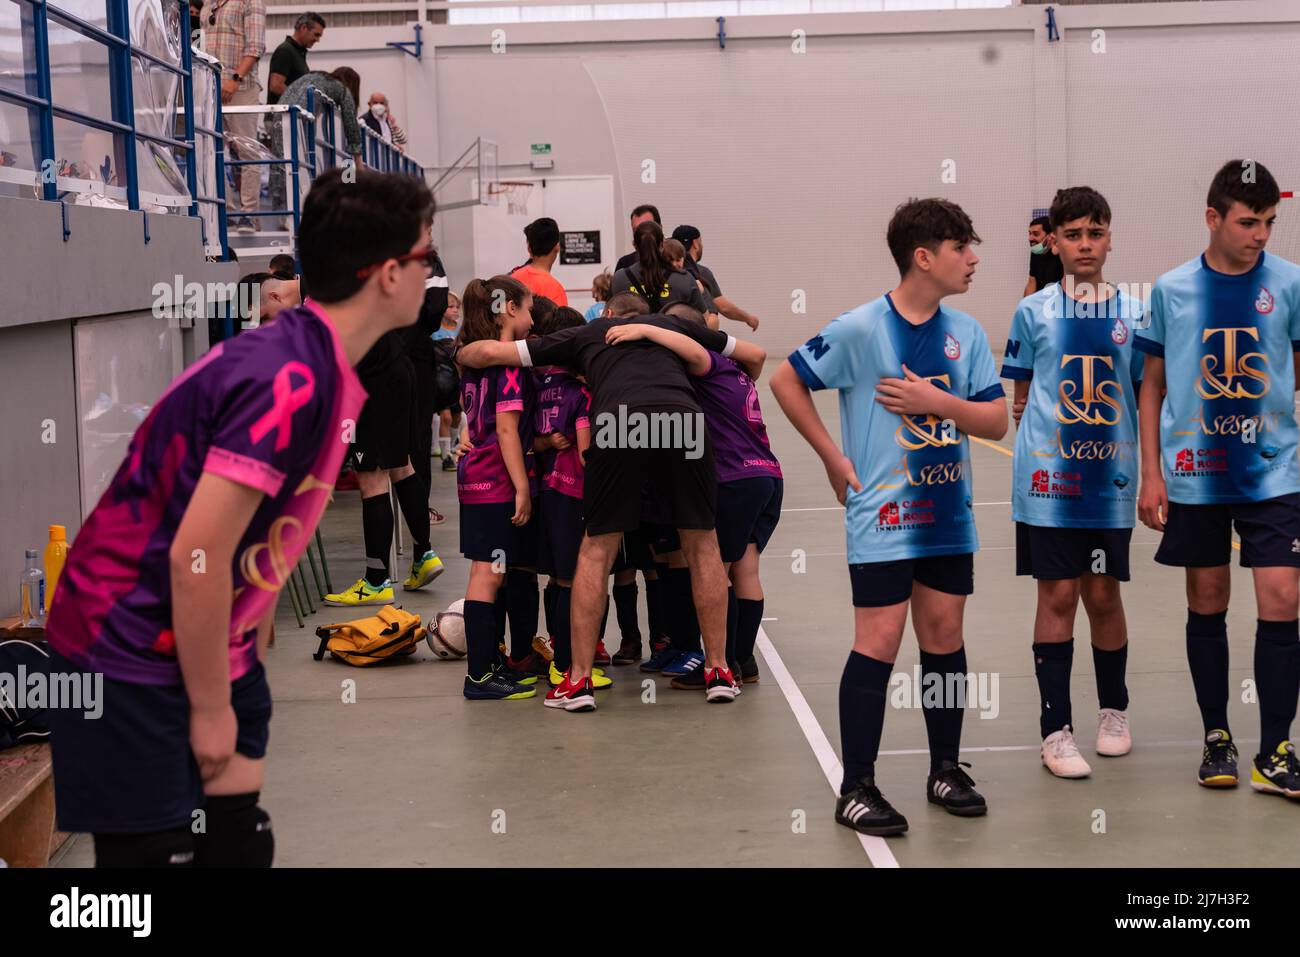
[288,399]
[512,382]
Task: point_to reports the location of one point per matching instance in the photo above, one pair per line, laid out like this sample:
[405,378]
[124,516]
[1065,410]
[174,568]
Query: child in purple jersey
[496,491]
[170,589]
[750,484]
[563,436]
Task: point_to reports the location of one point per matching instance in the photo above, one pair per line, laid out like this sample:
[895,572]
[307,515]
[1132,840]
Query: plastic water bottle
[33,600]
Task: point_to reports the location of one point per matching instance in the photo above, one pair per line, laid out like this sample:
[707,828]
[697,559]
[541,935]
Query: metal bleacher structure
[106,103]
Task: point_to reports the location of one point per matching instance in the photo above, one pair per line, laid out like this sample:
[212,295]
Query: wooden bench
[27,834]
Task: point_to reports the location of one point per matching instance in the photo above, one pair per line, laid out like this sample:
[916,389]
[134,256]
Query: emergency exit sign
[541,149]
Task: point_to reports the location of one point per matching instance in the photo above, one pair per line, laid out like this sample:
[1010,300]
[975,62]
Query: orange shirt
[542,283]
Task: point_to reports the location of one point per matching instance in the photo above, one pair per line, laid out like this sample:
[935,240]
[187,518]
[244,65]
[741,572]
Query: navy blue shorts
[1052,554]
[877,584]
[486,531]
[131,770]
[1200,536]
[748,510]
[559,536]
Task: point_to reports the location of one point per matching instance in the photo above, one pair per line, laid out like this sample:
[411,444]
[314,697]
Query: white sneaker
[1061,755]
[1113,737]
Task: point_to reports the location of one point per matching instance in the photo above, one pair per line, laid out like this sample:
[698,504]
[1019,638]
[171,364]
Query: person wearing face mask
[376,117]
[1044,265]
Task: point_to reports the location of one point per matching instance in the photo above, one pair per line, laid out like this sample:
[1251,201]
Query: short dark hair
[248,289]
[624,304]
[543,308]
[1231,185]
[282,265]
[543,235]
[562,317]
[347,226]
[306,18]
[1044,221]
[926,222]
[683,311]
[1080,202]
[647,208]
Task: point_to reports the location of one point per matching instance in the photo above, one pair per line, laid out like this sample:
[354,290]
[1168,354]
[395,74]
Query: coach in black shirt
[289,61]
[642,214]
[1044,265]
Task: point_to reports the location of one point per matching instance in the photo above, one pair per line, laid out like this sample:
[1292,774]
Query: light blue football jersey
[915,470]
[1227,423]
[1076,462]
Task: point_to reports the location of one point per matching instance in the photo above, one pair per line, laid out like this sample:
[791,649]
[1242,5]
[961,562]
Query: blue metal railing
[200,149]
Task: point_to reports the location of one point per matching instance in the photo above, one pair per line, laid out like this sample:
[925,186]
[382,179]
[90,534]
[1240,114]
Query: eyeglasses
[428,256]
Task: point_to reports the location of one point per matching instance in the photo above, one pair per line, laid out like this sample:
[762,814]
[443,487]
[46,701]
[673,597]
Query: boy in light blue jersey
[1076,374]
[915,378]
[1218,427]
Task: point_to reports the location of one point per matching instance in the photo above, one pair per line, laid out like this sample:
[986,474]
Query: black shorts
[635,553]
[1052,554]
[131,770]
[877,584]
[486,533]
[684,489]
[559,535]
[748,510]
[1200,536]
[387,430]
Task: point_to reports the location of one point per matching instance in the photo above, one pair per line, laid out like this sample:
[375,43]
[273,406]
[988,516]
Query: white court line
[1035,747]
[876,847]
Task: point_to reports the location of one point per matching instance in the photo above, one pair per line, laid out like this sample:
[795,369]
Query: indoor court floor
[411,774]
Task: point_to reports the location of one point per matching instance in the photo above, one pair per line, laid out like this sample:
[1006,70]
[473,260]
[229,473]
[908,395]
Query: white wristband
[525,359]
[730,347]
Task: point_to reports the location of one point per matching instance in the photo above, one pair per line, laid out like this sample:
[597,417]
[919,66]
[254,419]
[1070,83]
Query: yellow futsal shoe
[363,593]
[598,679]
[423,571]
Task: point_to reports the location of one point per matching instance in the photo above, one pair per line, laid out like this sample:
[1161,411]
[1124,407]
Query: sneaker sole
[1267,787]
[884,830]
[960,811]
[1114,753]
[542,648]
[1066,777]
[583,703]
[358,604]
[1219,781]
[437,571]
[721,695]
[493,697]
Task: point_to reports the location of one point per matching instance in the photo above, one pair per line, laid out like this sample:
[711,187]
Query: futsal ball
[447,631]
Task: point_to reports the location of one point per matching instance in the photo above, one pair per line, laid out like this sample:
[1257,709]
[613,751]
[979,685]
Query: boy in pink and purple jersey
[170,588]
[497,484]
[750,484]
[563,435]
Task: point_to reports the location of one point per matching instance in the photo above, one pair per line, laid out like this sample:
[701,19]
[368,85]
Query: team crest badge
[1264,301]
[951,347]
[1119,332]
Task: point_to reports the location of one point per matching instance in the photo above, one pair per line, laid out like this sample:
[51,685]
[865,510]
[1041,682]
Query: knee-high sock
[413,499]
[521,603]
[625,608]
[1111,666]
[750,612]
[562,634]
[943,723]
[654,603]
[499,614]
[238,833]
[377,533]
[733,622]
[1052,663]
[480,637]
[1277,676]
[1207,656]
[548,606]
[683,623]
[862,715]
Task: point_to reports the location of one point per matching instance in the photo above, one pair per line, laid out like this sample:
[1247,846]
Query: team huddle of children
[170,588]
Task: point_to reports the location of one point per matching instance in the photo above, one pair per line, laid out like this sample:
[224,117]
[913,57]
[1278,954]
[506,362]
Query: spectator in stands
[289,61]
[1044,264]
[196,20]
[379,119]
[236,35]
[642,214]
[543,237]
[343,86]
[689,237]
[283,265]
[600,293]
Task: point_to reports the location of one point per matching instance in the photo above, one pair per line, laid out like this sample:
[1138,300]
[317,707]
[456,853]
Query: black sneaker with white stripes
[953,790]
[865,809]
